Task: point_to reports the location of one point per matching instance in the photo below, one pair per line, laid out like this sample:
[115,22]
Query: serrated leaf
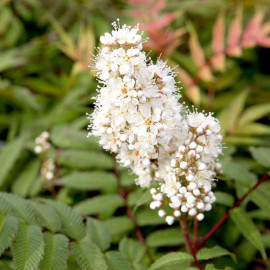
[84,159]
[98,233]
[47,216]
[99,204]
[8,156]
[116,261]
[213,252]
[210,267]
[28,249]
[224,198]
[72,223]
[132,250]
[93,180]
[166,237]
[252,129]
[171,259]
[198,56]
[143,199]
[13,204]
[261,197]
[228,117]
[149,217]
[11,58]
[239,173]
[55,252]
[261,155]
[118,225]
[259,214]
[88,256]
[65,137]
[247,228]
[254,113]
[8,230]
[218,36]
[24,182]
[234,35]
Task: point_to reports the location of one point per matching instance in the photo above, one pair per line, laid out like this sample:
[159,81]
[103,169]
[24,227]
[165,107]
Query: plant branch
[224,218]
[195,232]
[184,229]
[127,208]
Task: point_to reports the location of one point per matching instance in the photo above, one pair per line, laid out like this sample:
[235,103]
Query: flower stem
[224,218]
[128,209]
[189,247]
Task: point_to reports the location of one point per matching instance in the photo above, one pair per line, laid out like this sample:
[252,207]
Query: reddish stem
[224,218]
[127,208]
[195,233]
[184,229]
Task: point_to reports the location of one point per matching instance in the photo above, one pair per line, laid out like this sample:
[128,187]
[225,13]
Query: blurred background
[220,51]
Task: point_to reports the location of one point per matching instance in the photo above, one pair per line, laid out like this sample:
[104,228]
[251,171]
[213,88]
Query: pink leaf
[192,90]
[264,41]
[252,30]
[234,48]
[198,57]
[218,60]
[266,29]
[159,6]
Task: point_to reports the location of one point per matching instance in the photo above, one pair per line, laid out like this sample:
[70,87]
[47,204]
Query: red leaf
[198,57]
[252,30]
[233,41]
[218,59]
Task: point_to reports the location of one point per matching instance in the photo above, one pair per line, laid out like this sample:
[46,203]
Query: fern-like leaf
[28,247]
[72,223]
[56,252]
[17,206]
[88,256]
[8,230]
[47,216]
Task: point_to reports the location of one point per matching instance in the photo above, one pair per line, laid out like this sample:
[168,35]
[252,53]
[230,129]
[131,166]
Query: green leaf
[55,253]
[247,228]
[116,261]
[65,137]
[84,159]
[149,217]
[252,129]
[93,180]
[88,256]
[8,156]
[171,259]
[98,233]
[239,173]
[8,230]
[261,197]
[11,59]
[72,223]
[210,253]
[47,216]
[14,205]
[132,250]
[224,198]
[24,183]
[166,237]
[261,155]
[144,198]
[228,117]
[254,113]
[28,249]
[99,204]
[210,267]
[119,225]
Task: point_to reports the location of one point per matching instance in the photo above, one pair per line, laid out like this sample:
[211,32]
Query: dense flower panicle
[136,111]
[191,174]
[137,117]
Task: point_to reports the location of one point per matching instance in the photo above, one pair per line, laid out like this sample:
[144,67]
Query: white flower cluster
[42,144]
[136,111]
[189,178]
[138,117]
[41,148]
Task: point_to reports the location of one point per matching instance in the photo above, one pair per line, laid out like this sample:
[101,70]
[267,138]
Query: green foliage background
[45,84]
